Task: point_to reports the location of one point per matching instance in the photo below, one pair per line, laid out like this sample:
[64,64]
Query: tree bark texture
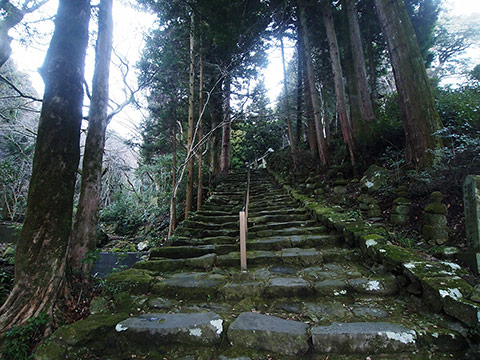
[191,125]
[300,55]
[40,259]
[200,128]
[225,155]
[419,113]
[173,201]
[320,139]
[84,235]
[287,106]
[359,63]
[216,118]
[338,79]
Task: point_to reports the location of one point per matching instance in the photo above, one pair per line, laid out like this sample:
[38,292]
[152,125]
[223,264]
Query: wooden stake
[243,241]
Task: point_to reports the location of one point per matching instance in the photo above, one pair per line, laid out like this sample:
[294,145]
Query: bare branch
[9,83]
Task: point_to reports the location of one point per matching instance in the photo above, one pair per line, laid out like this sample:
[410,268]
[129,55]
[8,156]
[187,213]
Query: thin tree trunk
[366,107]
[173,200]
[40,259]
[322,147]
[200,129]
[338,79]
[419,113]
[300,55]
[287,107]
[215,139]
[372,73]
[225,155]
[191,101]
[84,235]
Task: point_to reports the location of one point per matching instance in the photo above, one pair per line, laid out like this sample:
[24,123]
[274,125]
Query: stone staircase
[305,295]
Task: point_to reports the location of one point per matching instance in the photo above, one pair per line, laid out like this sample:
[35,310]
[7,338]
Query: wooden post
[243,241]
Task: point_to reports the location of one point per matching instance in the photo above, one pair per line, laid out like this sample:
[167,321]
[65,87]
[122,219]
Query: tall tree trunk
[287,106]
[360,131]
[338,79]
[419,114]
[84,235]
[310,128]
[372,70]
[191,125]
[40,259]
[200,128]
[300,55]
[322,147]
[365,102]
[215,138]
[225,155]
[173,200]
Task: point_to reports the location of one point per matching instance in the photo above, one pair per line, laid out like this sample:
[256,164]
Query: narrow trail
[305,294]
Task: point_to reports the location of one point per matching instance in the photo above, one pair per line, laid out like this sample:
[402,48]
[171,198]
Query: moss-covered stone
[435,291]
[133,281]
[393,256]
[374,178]
[99,305]
[464,310]
[70,340]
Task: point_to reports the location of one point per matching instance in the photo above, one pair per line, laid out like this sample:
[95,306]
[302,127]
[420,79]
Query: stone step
[192,286]
[195,224]
[205,262]
[293,256]
[183,252]
[206,241]
[280,242]
[308,230]
[156,329]
[269,333]
[257,220]
[282,225]
[363,338]
[199,233]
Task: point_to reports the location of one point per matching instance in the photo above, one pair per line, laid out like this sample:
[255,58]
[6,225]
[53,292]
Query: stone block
[363,338]
[466,311]
[157,329]
[471,203]
[269,333]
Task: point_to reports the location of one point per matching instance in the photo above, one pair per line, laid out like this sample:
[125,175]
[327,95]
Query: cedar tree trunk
[40,259]
[338,79]
[84,235]
[359,62]
[322,147]
[200,129]
[225,155]
[191,102]
[419,114]
[287,107]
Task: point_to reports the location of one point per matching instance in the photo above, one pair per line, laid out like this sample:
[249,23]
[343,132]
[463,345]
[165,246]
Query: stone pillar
[401,207]
[435,224]
[471,203]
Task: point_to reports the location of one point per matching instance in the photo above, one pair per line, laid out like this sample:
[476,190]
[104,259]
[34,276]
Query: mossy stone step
[198,286]
[206,241]
[196,224]
[282,225]
[363,338]
[215,219]
[182,252]
[270,333]
[205,262]
[282,211]
[258,220]
[199,233]
[292,256]
[307,230]
[156,329]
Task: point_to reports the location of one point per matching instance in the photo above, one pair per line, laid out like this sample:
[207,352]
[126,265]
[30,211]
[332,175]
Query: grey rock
[288,287]
[158,329]
[363,338]
[270,333]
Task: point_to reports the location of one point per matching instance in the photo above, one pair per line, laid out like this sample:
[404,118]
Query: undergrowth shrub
[20,341]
